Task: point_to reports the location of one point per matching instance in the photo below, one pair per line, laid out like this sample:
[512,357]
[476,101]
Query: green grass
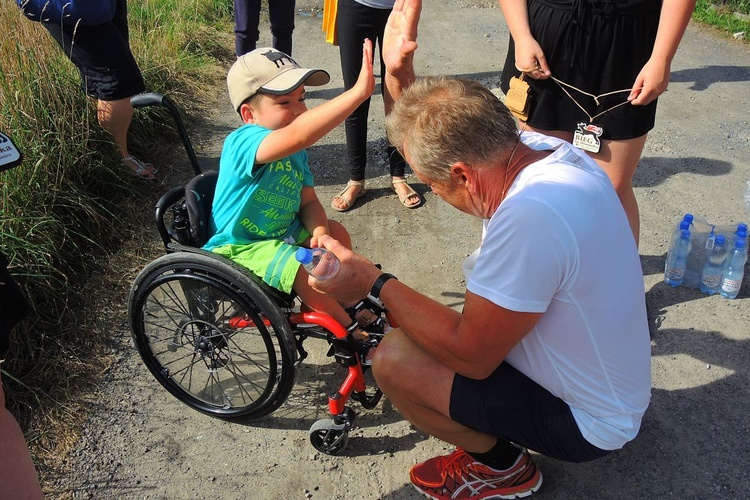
[723,16]
[64,211]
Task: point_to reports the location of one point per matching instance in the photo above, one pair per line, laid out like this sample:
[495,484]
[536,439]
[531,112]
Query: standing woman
[595,68]
[247,19]
[357,20]
[109,74]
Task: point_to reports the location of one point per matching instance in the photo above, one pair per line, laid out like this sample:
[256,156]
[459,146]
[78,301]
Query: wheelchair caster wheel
[328,437]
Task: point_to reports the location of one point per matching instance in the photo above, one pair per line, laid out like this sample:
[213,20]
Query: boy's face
[275,111]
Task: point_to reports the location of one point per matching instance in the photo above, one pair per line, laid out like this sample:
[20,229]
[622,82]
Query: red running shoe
[459,475]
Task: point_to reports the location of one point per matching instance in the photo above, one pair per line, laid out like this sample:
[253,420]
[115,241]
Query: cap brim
[290,80]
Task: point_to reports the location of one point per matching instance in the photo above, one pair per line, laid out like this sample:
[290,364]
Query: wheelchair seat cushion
[199,196]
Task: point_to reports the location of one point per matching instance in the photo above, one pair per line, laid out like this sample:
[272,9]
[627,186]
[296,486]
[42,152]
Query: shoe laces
[456,465]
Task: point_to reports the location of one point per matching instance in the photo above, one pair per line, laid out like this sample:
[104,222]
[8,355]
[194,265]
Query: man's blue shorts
[511,406]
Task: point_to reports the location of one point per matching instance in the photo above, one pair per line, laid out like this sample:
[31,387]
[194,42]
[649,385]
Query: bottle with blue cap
[685,223]
[319,262]
[734,269]
[712,271]
[674,269]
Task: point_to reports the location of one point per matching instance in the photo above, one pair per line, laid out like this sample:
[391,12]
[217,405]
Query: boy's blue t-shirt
[253,205]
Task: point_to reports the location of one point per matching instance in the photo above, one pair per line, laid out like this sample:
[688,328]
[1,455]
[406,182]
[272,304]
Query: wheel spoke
[187,332]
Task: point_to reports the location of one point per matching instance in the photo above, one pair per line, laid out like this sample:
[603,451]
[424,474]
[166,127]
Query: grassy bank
[65,209]
[729,17]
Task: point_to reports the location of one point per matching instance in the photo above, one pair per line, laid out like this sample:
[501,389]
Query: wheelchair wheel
[328,437]
[212,337]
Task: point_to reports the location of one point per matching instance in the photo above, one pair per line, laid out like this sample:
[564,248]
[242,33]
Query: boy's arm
[315,123]
[313,215]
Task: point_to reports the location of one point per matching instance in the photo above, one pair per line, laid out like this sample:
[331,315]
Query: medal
[587,137]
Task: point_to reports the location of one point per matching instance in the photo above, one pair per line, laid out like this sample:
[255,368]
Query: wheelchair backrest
[199,196]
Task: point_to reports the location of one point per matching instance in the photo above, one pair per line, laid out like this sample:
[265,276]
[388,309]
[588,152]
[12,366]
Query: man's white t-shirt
[560,244]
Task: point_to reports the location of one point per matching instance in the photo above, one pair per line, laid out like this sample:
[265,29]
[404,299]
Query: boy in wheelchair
[265,206]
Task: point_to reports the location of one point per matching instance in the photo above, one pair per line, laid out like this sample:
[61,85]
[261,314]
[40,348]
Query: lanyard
[562,85]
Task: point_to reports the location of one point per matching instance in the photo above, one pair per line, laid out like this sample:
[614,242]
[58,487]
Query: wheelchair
[217,337]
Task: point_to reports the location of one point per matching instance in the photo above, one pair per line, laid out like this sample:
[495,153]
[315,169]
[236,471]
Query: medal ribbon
[562,85]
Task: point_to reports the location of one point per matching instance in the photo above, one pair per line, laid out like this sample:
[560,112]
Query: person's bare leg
[18,477]
[339,232]
[620,160]
[402,189]
[316,300]
[401,369]
[115,117]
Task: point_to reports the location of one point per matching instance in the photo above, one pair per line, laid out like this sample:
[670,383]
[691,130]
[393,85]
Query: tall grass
[61,211]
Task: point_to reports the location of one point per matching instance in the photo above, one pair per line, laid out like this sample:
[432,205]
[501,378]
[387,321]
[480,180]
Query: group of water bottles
[708,257]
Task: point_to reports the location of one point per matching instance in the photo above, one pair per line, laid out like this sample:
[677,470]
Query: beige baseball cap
[268,71]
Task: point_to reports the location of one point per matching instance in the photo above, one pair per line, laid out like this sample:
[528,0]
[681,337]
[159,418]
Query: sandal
[408,195]
[142,170]
[347,202]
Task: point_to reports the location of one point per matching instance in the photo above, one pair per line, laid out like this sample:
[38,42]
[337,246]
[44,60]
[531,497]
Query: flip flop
[408,195]
[349,203]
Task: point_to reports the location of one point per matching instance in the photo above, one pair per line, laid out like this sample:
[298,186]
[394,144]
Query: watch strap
[374,295]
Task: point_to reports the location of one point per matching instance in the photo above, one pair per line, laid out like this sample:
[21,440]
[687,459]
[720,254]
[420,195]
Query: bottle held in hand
[319,262]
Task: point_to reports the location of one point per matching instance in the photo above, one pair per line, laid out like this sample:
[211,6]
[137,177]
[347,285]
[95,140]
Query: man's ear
[246,113]
[462,174]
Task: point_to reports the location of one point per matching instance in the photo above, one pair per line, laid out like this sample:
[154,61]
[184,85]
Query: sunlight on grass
[61,210]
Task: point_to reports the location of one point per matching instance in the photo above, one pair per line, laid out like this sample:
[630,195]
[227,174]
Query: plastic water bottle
[674,269]
[319,262]
[685,223]
[712,271]
[734,270]
[741,230]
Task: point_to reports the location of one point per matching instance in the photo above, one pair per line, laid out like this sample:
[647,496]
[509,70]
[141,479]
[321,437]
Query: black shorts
[597,52]
[102,55]
[510,405]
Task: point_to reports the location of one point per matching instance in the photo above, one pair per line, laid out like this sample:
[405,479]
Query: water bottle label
[711,280]
[675,273]
[730,286]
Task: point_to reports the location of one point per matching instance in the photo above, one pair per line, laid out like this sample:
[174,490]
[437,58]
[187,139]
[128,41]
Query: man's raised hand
[400,39]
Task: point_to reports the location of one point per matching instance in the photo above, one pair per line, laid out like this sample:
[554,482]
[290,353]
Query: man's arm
[399,45]
[472,343]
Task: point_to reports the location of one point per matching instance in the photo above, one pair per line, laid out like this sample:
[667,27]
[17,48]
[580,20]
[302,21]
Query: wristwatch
[374,295]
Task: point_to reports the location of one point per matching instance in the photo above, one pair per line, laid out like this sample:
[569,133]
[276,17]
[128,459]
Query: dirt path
[139,442]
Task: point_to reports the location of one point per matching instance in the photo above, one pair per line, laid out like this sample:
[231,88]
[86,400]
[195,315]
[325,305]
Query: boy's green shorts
[272,260]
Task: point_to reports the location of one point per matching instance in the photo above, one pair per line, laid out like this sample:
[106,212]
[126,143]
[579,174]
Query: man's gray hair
[442,120]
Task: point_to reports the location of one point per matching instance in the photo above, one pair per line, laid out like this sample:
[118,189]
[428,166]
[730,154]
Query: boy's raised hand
[366,81]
